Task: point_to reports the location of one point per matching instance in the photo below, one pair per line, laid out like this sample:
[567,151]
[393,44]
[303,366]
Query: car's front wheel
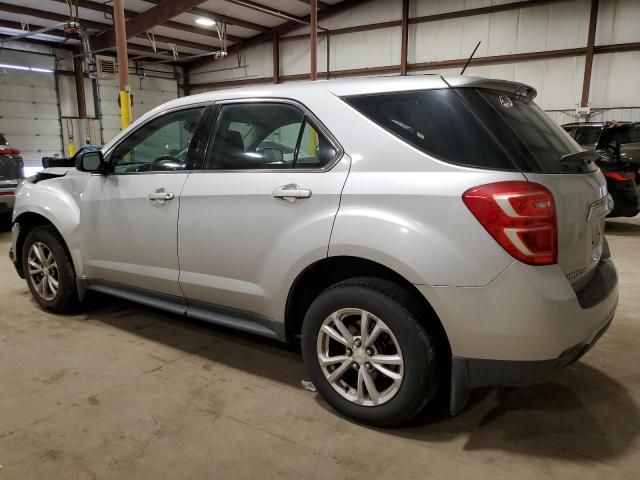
[367,352]
[49,270]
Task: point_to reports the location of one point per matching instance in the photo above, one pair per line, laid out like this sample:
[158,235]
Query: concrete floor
[123,391]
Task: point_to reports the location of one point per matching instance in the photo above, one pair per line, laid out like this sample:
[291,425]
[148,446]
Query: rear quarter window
[473,127]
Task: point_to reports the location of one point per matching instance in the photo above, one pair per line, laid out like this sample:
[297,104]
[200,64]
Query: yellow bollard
[72,149]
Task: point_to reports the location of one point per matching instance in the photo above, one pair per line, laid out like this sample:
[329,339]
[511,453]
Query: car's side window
[272,136]
[160,145]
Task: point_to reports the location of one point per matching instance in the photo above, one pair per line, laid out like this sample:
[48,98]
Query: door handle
[160,196]
[291,193]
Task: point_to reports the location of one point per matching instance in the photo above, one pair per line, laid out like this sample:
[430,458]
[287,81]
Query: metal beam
[145,21]
[276,57]
[258,7]
[314,40]
[405,37]
[588,60]
[471,12]
[491,60]
[320,4]
[79,80]
[42,43]
[98,26]
[289,26]
[195,29]
[201,12]
[120,38]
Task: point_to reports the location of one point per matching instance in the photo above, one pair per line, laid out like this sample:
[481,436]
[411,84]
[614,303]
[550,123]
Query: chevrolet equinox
[417,234]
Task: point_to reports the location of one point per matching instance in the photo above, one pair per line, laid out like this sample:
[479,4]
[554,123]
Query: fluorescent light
[20,67]
[13,67]
[205,22]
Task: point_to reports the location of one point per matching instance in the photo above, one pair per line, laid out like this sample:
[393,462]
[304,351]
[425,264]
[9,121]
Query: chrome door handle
[160,196]
[291,193]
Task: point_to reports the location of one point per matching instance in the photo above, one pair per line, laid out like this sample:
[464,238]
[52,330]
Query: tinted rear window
[473,127]
[3,141]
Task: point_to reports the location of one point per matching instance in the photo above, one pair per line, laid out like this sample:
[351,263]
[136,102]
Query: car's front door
[129,215]
[261,207]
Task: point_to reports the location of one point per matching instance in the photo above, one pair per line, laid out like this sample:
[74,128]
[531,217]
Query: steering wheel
[155,165]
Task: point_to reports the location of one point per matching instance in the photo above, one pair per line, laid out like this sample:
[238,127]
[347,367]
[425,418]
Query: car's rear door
[260,208]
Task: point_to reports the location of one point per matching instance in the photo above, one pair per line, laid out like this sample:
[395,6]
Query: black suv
[619,146]
[11,171]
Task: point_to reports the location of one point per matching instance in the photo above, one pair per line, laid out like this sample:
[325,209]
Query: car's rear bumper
[524,325]
[470,373]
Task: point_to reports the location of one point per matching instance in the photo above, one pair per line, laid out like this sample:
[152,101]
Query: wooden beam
[314,40]
[588,60]
[405,37]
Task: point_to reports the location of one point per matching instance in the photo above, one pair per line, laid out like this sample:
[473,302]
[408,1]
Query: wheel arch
[28,221]
[328,271]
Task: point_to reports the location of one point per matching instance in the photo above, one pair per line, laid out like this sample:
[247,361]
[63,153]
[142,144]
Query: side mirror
[92,162]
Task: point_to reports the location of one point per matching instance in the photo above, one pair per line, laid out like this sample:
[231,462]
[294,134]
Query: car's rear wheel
[367,352]
[49,270]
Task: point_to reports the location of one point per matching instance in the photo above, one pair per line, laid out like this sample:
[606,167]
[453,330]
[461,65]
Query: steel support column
[405,37]
[588,60]
[314,39]
[123,63]
[276,57]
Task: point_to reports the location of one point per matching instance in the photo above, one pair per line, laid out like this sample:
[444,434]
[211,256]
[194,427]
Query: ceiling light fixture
[205,22]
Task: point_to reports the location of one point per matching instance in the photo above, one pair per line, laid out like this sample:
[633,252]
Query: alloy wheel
[43,271]
[360,357]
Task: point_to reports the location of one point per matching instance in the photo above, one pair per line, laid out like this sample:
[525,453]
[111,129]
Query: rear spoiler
[584,157]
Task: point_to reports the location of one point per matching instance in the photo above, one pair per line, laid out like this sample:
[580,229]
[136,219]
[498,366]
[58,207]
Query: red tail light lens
[620,176]
[520,216]
[9,151]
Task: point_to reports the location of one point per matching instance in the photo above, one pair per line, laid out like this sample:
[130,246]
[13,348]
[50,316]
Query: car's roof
[351,86]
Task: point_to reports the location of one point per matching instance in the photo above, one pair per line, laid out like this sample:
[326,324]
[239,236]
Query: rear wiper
[580,158]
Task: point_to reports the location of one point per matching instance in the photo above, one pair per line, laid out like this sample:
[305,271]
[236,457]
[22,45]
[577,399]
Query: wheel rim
[43,271]
[360,357]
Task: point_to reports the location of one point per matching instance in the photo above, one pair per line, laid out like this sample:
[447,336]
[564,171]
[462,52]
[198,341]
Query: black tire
[399,311]
[66,299]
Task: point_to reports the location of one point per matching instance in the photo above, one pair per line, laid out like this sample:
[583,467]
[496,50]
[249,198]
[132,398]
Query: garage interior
[125,391]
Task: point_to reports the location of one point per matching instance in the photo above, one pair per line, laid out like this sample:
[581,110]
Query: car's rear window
[473,127]
[3,141]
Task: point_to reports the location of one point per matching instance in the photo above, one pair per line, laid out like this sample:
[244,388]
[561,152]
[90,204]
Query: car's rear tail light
[9,151]
[520,216]
[620,176]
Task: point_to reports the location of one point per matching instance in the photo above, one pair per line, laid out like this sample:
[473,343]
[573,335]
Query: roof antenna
[470,57]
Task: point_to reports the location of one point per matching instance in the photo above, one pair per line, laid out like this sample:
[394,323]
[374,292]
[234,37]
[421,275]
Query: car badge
[505,101]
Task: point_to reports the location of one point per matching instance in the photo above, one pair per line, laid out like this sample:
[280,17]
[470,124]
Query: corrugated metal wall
[547,27]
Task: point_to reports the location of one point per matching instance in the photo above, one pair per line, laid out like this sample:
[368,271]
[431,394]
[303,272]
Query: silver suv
[419,234]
